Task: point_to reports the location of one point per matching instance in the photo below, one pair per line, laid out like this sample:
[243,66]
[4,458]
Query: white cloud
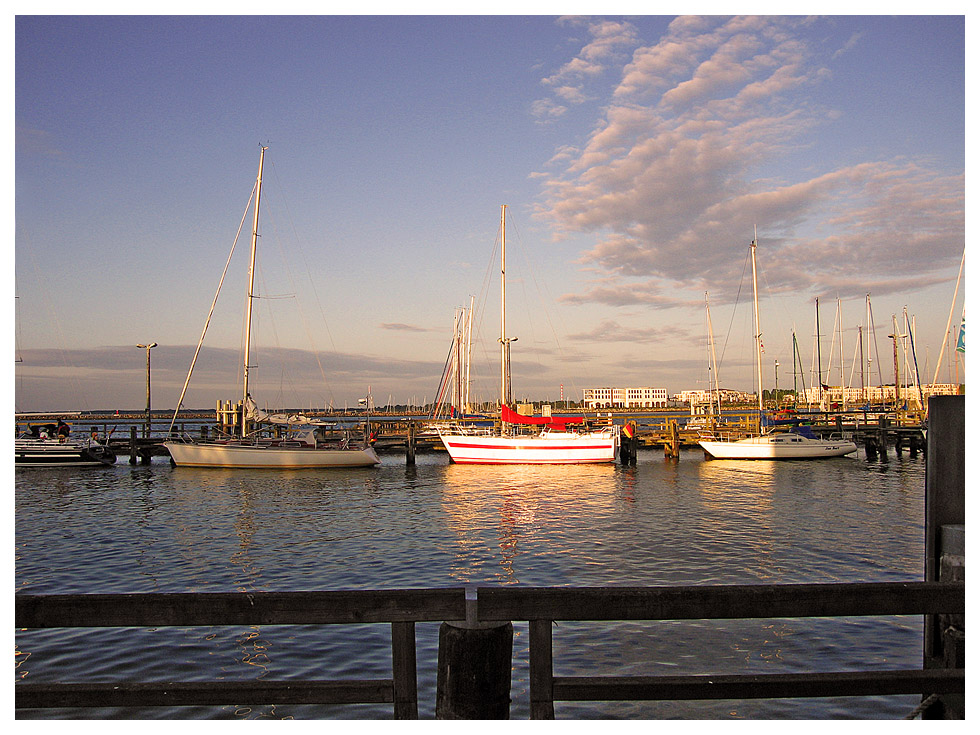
[608,38]
[669,180]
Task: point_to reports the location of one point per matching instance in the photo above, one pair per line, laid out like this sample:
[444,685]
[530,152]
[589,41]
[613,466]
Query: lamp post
[777,384]
[146,428]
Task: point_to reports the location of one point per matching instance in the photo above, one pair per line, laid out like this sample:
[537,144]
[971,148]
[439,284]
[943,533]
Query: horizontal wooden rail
[749,686]
[716,602]
[542,606]
[217,693]
[401,608]
[238,608]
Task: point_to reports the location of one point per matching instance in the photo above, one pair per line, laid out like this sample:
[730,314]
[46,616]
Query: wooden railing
[541,607]
[401,608]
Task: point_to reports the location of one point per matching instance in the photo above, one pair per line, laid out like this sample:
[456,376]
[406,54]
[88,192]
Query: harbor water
[156,528]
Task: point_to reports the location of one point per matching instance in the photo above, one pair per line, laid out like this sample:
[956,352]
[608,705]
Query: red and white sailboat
[520,439]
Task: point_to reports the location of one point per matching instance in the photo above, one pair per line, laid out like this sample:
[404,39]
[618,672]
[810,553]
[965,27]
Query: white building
[595,398]
[700,397]
[878,393]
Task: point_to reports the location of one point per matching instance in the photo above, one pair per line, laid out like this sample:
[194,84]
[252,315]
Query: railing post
[542,670]
[474,663]
[403,671]
[944,543]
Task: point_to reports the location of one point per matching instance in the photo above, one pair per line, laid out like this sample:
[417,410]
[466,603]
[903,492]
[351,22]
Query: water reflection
[535,510]
[661,522]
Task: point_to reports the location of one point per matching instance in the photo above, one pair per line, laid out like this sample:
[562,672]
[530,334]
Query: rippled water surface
[162,529]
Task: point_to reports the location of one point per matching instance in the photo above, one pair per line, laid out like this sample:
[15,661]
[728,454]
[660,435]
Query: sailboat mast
[504,342]
[819,361]
[469,341]
[840,328]
[758,331]
[251,284]
[713,364]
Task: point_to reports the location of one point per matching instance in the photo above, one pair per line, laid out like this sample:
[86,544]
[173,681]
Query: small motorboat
[50,445]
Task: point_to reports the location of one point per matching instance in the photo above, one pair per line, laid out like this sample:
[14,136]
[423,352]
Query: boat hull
[40,453]
[785,446]
[548,448]
[267,457]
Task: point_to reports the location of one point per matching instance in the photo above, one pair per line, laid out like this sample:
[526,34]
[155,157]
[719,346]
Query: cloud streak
[677,174]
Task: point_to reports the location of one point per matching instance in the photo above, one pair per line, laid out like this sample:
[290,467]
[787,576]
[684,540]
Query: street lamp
[777,384]
[146,429]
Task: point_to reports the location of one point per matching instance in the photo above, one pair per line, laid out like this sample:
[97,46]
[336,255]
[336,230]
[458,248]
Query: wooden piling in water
[410,444]
[474,664]
[132,445]
[672,447]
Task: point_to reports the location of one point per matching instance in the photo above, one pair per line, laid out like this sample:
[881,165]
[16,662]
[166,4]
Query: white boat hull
[53,453]
[777,446]
[267,457]
[544,448]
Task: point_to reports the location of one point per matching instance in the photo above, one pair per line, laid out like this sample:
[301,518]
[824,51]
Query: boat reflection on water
[541,514]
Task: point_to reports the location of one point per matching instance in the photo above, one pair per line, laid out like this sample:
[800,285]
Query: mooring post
[410,444]
[474,663]
[883,437]
[132,445]
[944,635]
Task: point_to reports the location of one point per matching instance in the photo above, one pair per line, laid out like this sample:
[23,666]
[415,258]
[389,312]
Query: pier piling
[672,446]
[132,445]
[474,664]
[410,444]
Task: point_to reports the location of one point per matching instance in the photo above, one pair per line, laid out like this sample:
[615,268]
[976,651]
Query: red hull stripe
[583,447]
[464,460]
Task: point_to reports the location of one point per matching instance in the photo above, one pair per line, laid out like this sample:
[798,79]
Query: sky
[638,157]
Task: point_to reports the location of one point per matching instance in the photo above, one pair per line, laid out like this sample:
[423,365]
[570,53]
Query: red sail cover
[511,416]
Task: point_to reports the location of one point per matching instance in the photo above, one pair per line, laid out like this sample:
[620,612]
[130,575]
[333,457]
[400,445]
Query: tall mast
[758,331]
[840,328]
[251,283]
[469,340]
[712,365]
[819,362]
[504,342]
[864,397]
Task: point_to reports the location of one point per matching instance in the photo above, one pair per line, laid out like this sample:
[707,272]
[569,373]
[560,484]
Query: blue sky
[637,155]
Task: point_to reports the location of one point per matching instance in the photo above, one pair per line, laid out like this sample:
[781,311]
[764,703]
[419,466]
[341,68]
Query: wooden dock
[878,435]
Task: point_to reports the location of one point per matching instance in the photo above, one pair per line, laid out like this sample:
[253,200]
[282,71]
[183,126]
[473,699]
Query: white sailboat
[524,439]
[798,444]
[263,440]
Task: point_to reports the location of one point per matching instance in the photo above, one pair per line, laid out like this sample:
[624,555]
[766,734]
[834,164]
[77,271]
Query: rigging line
[532,352]
[316,296]
[443,384]
[949,322]
[738,294]
[180,401]
[492,267]
[544,302]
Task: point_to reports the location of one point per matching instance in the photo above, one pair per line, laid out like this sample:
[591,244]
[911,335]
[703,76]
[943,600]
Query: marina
[607,505]
[876,433]
[437,525]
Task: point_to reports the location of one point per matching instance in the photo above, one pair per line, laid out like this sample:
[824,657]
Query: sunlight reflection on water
[160,529]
